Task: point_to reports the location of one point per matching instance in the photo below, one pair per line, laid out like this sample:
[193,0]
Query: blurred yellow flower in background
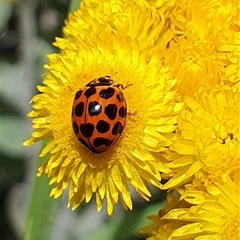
[115,39]
[204,50]
[194,65]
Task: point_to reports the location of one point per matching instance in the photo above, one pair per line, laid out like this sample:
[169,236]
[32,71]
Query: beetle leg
[123,87]
[132,114]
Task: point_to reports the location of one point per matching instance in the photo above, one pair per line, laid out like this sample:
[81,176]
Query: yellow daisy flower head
[206,43]
[208,136]
[124,18]
[161,229]
[194,65]
[215,214]
[205,20]
[229,56]
[150,119]
[223,14]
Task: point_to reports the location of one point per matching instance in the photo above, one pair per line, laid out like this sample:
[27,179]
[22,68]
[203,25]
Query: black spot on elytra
[83,142]
[120,97]
[79,109]
[87,130]
[111,111]
[94,108]
[75,127]
[103,126]
[107,93]
[122,112]
[78,94]
[117,128]
[97,142]
[90,91]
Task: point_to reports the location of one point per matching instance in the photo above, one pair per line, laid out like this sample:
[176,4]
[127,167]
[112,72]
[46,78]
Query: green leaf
[42,209]
[74,5]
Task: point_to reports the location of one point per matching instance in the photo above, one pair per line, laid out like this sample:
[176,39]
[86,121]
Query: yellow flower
[194,65]
[205,50]
[205,19]
[215,214]
[161,229]
[91,51]
[210,213]
[208,136]
[229,55]
[124,18]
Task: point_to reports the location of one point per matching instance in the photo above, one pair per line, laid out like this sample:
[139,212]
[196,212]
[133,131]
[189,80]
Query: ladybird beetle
[99,114]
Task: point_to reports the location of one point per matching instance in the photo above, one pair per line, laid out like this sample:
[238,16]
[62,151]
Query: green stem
[41,212]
